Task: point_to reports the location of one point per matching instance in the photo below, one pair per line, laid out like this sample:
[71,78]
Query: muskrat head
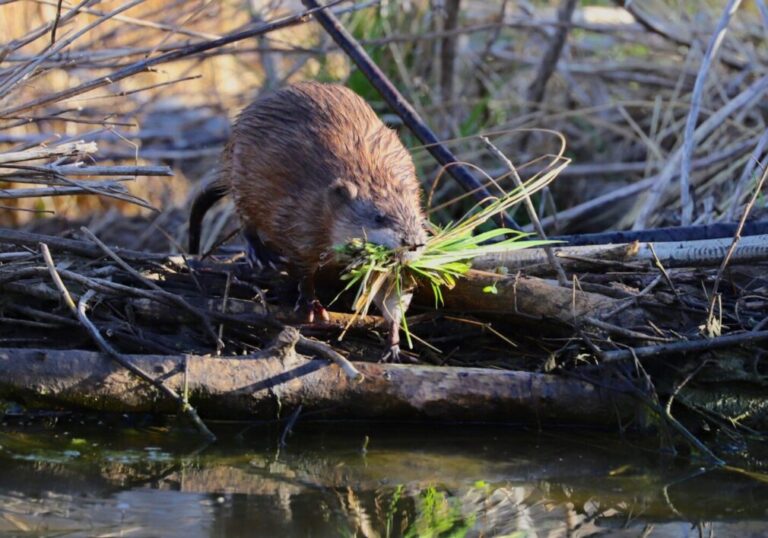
[393,221]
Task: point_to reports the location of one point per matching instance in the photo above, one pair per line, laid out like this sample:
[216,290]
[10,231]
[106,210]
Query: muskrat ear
[343,188]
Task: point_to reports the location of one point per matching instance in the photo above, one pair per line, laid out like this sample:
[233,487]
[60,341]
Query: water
[96,479]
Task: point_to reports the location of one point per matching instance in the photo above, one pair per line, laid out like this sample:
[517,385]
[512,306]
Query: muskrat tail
[212,193]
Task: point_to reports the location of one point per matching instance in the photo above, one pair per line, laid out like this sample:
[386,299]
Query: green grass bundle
[446,257]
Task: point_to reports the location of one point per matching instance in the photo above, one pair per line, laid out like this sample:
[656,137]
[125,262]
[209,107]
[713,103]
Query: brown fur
[309,165]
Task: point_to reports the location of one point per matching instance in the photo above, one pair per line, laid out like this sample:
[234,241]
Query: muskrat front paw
[392,354]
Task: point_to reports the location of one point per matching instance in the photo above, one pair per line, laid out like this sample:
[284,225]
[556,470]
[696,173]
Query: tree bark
[519,295]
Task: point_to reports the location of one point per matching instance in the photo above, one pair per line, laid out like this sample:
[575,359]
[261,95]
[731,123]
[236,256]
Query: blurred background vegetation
[619,92]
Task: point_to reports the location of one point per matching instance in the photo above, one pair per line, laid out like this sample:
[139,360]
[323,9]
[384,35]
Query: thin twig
[225,298]
[56,22]
[448,56]
[66,149]
[663,271]
[23,72]
[77,170]
[325,351]
[81,248]
[688,346]
[66,297]
[731,249]
[41,31]
[549,61]
[288,429]
[184,405]
[633,189]
[621,331]
[681,385]
[145,64]
[139,22]
[633,300]
[662,27]
[747,174]
[715,121]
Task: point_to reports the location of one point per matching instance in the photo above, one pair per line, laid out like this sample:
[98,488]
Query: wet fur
[311,166]
[308,167]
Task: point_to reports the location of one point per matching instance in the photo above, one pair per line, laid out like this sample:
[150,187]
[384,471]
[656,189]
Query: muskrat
[311,166]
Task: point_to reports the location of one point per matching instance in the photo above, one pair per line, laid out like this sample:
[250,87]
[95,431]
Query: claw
[391,355]
[258,255]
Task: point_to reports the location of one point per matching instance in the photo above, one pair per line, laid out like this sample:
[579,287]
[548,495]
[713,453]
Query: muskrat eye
[380,219]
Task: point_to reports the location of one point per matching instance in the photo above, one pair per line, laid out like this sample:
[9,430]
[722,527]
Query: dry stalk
[651,204]
[562,278]
[693,115]
[711,329]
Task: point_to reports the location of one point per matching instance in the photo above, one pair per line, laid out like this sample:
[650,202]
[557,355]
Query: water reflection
[409,481]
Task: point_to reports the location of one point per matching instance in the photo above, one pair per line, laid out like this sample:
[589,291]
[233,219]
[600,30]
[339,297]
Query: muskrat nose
[411,244]
[410,250]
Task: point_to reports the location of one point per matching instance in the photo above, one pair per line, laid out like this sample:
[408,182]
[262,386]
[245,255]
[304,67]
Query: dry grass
[176,113]
[619,93]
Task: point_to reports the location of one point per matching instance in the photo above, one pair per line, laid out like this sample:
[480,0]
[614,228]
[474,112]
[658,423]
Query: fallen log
[275,382]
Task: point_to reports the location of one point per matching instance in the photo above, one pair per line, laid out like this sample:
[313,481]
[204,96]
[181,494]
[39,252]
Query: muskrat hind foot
[258,255]
[315,309]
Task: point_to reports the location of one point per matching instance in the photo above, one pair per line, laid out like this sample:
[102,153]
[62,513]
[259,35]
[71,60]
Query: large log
[521,295]
[512,295]
[270,385]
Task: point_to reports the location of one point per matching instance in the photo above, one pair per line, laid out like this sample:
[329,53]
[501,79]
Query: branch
[552,55]
[79,312]
[68,149]
[144,65]
[690,346]
[715,121]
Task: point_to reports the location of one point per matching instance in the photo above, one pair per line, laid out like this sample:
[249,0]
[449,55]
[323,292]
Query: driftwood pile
[559,354]
[623,333]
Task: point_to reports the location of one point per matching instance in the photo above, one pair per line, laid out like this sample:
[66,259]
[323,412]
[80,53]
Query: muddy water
[96,479]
